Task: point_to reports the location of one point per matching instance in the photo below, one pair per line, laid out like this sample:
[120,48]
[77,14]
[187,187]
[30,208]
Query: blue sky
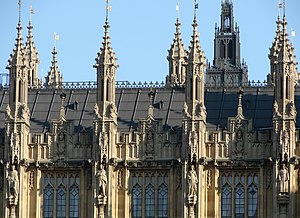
[141,33]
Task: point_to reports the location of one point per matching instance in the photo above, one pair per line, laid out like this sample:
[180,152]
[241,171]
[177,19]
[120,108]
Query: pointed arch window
[197,88]
[227,22]
[252,196]
[48,194]
[149,195]
[61,195]
[287,91]
[137,196]
[74,196]
[226,196]
[20,91]
[239,195]
[163,196]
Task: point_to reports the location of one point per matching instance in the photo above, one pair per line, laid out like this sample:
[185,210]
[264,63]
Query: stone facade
[198,146]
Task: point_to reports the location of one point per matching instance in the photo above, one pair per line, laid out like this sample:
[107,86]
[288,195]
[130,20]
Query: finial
[20,5]
[195,8]
[279,7]
[177,9]
[151,95]
[240,105]
[108,8]
[31,13]
[56,38]
[283,8]
[62,112]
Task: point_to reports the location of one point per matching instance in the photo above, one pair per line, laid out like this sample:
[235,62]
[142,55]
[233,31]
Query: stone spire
[17,56]
[195,54]
[177,60]
[106,55]
[284,76]
[195,73]
[18,73]
[32,56]
[54,78]
[106,65]
[283,68]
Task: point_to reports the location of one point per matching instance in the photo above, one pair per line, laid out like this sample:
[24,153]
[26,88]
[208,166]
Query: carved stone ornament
[149,141]
[275,110]
[13,183]
[112,110]
[192,180]
[283,179]
[8,112]
[23,112]
[101,181]
[96,110]
[239,143]
[185,110]
[290,109]
[61,143]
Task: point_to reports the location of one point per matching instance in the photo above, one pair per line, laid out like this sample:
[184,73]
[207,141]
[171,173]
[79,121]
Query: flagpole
[177,9]
[283,8]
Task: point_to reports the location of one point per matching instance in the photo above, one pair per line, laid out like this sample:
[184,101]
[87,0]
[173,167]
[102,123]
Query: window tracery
[61,195]
[149,195]
[239,196]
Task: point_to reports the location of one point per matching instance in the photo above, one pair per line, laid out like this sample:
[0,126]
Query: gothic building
[205,144]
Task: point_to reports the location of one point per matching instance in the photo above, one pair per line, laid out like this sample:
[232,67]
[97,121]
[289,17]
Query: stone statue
[185,110]
[8,112]
[150,141]
[283,178]
[275,110]
[24,111]
[96,110]
[112,110]
[13,182]
[102,181]
[192,181]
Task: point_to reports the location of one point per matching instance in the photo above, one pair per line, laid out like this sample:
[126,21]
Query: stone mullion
[127,205]
[68,194]
[54,193]
[245,186]
[171,192]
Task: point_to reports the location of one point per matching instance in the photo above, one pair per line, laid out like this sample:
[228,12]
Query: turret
[194,94]
[283,77]
[106,65]
[177,60]
[227,69]
[18,74]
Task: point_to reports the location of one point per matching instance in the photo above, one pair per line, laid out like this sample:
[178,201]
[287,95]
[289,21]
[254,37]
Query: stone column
[191,202]
[101,202]
[283,202]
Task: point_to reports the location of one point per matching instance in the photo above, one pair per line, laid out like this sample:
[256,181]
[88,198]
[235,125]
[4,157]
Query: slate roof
[132,105]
